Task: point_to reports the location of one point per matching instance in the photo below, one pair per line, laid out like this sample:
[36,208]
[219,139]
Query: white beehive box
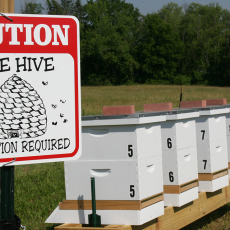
[228,139]
[180,171]
[115,180]
[129,137]
[212,148]
[124,154]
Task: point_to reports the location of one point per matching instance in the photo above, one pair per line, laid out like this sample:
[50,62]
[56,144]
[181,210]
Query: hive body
[180,173]
[212,149]
[228,139]
[114,179]
[125,157]
[22,112]
[112,142]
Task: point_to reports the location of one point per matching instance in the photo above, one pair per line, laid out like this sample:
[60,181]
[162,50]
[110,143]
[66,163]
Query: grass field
[39,188]
[94,98]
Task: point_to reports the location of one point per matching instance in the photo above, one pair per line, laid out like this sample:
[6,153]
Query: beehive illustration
[22,112]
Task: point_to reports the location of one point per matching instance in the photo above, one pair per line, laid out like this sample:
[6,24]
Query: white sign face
[39,89]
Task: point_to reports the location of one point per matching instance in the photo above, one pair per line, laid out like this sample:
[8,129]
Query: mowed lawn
[40,187]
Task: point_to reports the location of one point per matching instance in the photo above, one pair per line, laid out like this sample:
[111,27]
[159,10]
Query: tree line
[182,45]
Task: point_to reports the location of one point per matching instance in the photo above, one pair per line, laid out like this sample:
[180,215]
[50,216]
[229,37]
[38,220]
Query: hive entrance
[14,134]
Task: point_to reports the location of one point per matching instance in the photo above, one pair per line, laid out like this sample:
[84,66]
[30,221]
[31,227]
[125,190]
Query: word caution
[31,34]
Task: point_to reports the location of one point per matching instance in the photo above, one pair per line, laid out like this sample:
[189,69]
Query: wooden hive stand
[79,226]
[174,218]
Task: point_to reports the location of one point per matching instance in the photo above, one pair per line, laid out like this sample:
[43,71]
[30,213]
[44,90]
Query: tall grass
[40,187]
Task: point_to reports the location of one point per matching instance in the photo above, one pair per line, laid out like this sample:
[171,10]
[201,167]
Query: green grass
[94,98]
[40,187]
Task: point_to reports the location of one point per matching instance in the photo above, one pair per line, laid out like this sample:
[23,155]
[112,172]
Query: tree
[78,10]
[53,7]
[205,33]
[31,7]
[108,43]
[172,14]
[160,51]
[66,7]
[177,45]
[224,53]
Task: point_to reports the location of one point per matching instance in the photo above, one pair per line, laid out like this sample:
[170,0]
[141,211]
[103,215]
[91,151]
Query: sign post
[8,220]
[40,99]
[7,173]
[7,6]
[7,192]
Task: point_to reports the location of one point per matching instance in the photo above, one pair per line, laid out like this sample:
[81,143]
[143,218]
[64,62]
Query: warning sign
[39,89]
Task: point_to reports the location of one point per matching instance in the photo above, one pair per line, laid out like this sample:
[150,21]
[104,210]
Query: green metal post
[94,219]
[8,220]
[7,193]
[93,200]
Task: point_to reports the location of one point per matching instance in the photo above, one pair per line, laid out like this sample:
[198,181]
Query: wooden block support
[157,107]
[175,218]
[221,101]
[118,110]
[192,104]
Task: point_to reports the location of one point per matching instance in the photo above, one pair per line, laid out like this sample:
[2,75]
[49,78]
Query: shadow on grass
[209,218]
[52,226]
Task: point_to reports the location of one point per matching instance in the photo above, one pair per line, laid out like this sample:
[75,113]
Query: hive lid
[137,118]
[214,110]
[178,113]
